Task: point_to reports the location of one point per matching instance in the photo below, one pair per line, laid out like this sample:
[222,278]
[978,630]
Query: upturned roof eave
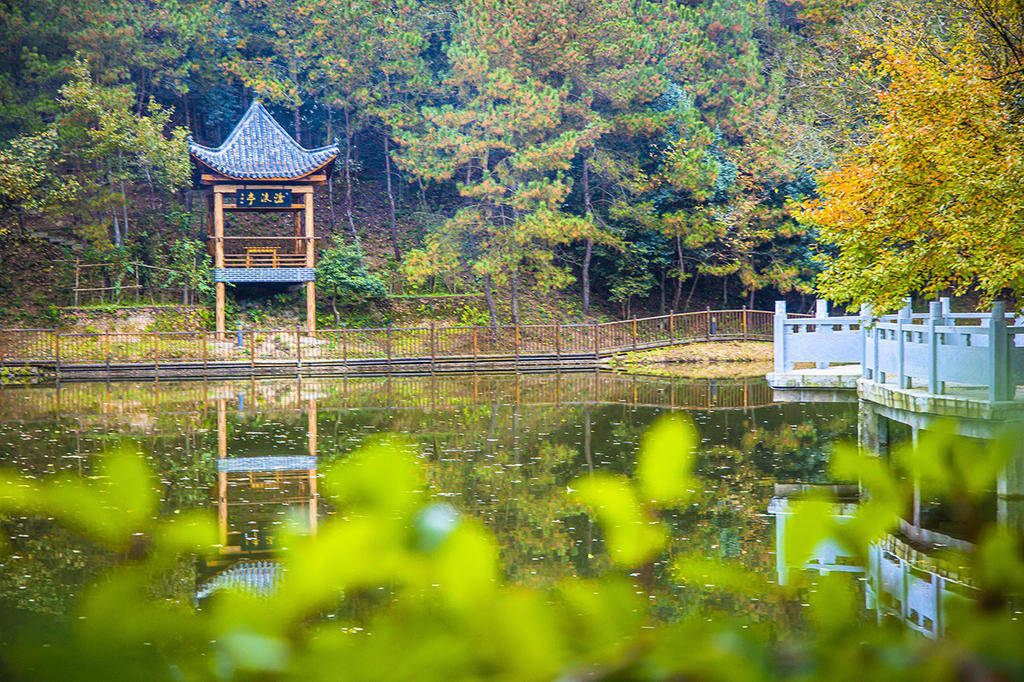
[206,156]
[250,179]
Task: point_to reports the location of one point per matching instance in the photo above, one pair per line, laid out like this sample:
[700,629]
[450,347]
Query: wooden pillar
[311,424]
[218,257]
[222,477]
[310,286]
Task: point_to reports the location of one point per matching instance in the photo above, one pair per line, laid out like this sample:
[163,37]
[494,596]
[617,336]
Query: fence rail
[937,351]
[49,347]
[100,283]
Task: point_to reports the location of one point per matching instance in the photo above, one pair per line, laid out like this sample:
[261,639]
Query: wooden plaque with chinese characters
[263,198]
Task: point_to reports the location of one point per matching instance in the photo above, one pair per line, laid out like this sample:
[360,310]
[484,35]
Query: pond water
[504,449]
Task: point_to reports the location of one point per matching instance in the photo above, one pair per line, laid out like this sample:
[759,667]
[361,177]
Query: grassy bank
[717,360]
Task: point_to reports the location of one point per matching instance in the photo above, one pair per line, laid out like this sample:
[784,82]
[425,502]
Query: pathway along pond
[502,448]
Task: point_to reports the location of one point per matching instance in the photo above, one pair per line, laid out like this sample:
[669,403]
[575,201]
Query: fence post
[634,334]
[433,356]
[707,323]
[820,307]
[820,313]
[56,353]
[156,355]
[203,335]
[106,348]
[999,385]
[475,345]
[934,318]
[344,345]
[558,341]
[907,311]
[517,342]
[901,351]
[252,350]
[597,343]
[865,322]
[387,341]
[944,302]
[779,337]
[672,326]
[878,374]
[298,348]
[744,325]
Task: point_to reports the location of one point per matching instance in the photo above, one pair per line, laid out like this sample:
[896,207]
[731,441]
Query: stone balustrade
[939,351]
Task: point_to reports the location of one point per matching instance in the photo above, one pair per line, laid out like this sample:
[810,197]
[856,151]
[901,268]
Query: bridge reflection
[905,578]
[133,403]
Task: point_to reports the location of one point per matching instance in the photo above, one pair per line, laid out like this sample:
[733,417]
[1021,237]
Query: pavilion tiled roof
[235,465]
[259,578]
[260,149]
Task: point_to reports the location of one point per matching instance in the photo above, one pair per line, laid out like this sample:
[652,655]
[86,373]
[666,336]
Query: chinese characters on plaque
[263,198]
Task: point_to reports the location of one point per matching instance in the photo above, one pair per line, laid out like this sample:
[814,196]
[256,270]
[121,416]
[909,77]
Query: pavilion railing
[393,344]
[265,252]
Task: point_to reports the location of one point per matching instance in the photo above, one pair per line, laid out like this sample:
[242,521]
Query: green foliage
[394,571]
[193,267]
[605,139]
[342,272]
[76,169]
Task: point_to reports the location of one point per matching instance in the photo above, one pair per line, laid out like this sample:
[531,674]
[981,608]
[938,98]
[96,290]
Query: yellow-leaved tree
[933,201]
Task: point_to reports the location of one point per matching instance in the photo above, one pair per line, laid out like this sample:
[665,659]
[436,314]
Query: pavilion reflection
[256,498]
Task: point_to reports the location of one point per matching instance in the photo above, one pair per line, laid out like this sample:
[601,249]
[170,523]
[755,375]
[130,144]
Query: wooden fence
[50,348]
[138,283]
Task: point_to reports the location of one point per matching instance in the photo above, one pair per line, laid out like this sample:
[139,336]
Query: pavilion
[260,167]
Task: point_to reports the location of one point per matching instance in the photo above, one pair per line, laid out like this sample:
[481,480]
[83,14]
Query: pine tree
[509,139]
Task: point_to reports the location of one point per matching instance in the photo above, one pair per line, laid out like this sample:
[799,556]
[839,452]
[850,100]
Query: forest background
[571,158]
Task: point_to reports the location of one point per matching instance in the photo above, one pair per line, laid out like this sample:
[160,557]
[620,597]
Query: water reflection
[922,571]
[255,496]
[501,448]
[910,583]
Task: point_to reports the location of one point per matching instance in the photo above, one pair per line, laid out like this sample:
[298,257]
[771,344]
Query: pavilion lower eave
[264,275]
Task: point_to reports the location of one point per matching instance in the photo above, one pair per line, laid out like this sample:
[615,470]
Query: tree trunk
[348,177]
[334,309]
[693,287]
[679,276]
[124,209]
[117,230]
[585,274]
[514,290]
[489,295]
[392,222]
[661,302]
[188,118]
[330,181]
